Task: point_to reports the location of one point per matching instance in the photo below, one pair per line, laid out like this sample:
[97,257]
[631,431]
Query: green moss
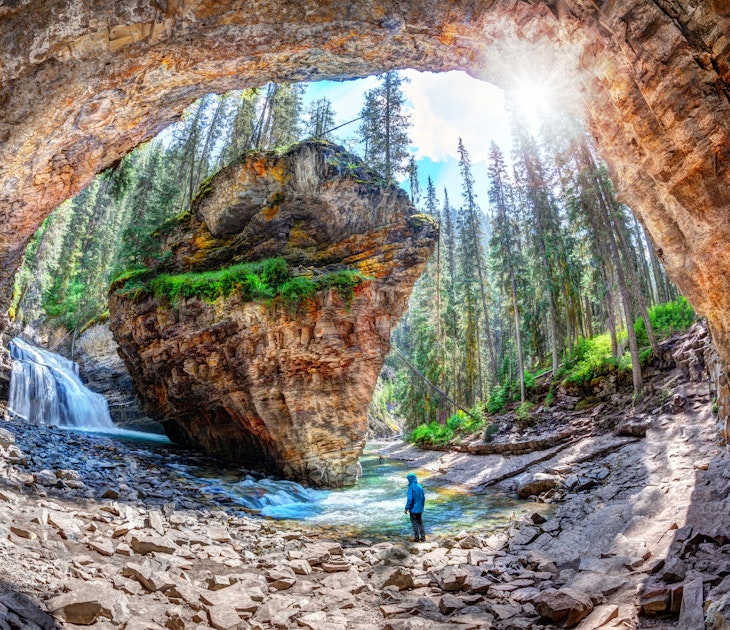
[170,224]
[203,190]
[297,290]
[420,220]
[212,285]
[264,279]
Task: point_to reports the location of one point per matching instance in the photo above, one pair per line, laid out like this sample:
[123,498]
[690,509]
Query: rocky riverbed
[111,534]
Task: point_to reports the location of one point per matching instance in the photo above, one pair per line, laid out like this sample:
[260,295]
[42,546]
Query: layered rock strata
[104,372]
[268,383]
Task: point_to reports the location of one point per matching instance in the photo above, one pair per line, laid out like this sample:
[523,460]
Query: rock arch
[84,82]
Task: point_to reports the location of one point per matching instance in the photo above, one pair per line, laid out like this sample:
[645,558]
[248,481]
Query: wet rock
[6,438]
[565,606]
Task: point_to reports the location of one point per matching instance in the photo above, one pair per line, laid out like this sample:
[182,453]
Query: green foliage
[457,426]
[550,398]
[125,276]
[666,319]
[274,271]
[297,290]
[498,398]
[590,358]
[254,281]
[433,433]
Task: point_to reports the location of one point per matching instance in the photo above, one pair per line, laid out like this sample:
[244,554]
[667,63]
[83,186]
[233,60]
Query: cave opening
[650,84]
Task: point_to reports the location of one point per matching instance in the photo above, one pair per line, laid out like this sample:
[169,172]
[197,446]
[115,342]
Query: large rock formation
[83,82]
[274,382]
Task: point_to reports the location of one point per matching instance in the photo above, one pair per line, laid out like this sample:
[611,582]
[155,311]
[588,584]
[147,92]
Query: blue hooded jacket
[416,496]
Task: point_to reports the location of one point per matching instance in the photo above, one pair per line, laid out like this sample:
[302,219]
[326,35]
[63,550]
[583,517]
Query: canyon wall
[282,380]
[84,82]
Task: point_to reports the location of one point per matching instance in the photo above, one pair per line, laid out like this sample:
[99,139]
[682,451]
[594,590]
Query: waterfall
[45,388]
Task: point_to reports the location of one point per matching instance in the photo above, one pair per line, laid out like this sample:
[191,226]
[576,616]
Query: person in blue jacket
[414,506]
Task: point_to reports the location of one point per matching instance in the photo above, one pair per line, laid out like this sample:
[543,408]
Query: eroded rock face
[83,83]
[262,383]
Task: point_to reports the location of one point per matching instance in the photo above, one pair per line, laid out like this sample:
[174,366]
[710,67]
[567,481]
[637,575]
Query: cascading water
[45,388]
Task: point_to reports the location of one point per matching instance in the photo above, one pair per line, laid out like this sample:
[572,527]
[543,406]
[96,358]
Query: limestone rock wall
[258,382]
[104,372]
[83,82]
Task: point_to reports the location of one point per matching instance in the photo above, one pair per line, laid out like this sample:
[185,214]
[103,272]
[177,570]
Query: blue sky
[443,107]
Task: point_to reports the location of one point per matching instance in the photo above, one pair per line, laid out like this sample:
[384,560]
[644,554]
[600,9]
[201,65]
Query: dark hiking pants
[416,521]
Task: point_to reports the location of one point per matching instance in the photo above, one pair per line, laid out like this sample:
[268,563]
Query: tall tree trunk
[518,337]
[610,236]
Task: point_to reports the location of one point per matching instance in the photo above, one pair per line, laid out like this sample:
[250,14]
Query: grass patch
[260,280]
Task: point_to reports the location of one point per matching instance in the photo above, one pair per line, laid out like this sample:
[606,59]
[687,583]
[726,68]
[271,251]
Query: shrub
[433,433]
[254,280]
[498,398]
[590,358]
[296,290]
[274,272]
[666,319]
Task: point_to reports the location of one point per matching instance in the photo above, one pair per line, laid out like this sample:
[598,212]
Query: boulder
[530,484]
[86,603]
[565,606]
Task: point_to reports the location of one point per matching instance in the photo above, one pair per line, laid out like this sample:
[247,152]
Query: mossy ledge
[267,279]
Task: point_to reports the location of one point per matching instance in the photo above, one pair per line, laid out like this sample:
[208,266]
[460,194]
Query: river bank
[628,531]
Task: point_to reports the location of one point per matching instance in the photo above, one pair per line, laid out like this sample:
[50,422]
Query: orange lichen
[269,212]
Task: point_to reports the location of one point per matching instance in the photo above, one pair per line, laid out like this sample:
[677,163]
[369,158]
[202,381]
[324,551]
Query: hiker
[414,506]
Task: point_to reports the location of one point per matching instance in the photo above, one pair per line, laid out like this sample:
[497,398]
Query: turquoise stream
[373,508]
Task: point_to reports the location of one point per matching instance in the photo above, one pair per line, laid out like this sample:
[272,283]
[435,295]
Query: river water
[373,508]
[46,390]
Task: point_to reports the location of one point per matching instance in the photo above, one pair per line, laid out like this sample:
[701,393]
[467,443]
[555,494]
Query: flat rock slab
[152,544]
[84,605]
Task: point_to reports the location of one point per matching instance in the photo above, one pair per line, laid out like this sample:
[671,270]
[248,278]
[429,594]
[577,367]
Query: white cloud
[452,105]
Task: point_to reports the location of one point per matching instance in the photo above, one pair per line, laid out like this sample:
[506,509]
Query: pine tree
[506,255]
[473,257]
[319,119]
[383,131]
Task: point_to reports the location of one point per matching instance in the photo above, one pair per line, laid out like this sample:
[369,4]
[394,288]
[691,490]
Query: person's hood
[411,479]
